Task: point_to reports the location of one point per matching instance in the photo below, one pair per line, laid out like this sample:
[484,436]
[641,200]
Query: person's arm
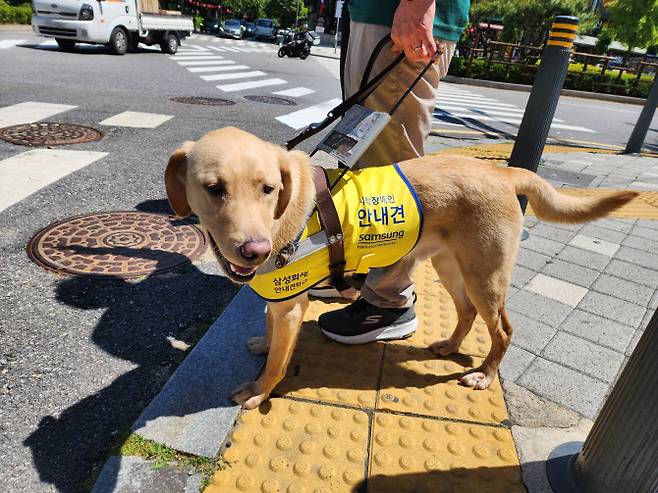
[412,29]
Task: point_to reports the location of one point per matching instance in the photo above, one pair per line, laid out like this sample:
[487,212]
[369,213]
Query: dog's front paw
[258,345]
[444,348]
[477,379]
[249,395]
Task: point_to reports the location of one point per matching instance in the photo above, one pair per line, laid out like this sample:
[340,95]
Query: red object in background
[321,9]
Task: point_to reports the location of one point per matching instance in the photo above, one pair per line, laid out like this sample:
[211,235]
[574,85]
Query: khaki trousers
[403,138]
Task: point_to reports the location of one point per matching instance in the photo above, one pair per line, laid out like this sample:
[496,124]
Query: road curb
[322,55]
[15,27]
[524,88]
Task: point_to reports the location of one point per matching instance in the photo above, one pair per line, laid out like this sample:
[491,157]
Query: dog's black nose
[255,249]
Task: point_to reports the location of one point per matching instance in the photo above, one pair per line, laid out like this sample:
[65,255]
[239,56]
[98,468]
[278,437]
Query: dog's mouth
[236,273]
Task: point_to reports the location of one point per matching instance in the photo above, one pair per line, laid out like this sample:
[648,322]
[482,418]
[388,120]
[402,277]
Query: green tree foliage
[633,22]
[528,21]
[286,11]
[248,8]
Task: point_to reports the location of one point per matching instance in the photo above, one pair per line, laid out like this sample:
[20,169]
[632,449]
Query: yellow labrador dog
[253,197]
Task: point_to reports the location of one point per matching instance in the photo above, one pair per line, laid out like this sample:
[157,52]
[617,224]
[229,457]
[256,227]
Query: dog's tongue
[243,271]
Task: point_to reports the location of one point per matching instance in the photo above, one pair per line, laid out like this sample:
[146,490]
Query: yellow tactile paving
[645,206]
[328,371]
[415,381]
[295,447]
[427,456]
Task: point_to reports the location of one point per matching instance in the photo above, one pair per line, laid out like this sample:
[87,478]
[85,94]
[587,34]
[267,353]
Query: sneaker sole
[400,331]
[324,293]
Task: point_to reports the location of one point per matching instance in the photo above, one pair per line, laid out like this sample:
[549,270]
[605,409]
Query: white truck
[119,24]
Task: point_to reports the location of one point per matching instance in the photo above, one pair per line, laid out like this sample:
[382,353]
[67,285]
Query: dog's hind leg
[446,266]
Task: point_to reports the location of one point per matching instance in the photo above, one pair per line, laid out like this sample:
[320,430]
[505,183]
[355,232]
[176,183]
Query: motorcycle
[294,46]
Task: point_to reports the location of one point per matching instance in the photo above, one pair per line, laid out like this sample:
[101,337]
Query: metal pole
[544,97]
[621,451]
[643,122]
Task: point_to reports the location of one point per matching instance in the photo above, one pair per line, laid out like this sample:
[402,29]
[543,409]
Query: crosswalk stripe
[197,58]
[442,103]
[217,48]
[30,171]
[201,62]
[230,48]
[10,43]
[513,121]
[237,75]
[30,112]
[215,68]
[476,111]
[443,110]
[312,114]
[463,100]
[136,119]
[295,92]
[241,86]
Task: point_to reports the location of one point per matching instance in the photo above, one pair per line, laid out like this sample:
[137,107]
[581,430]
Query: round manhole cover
[49,134]
[203,101]
[271,100]
[116,244]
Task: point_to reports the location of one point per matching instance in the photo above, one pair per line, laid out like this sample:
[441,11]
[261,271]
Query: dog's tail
[550,205]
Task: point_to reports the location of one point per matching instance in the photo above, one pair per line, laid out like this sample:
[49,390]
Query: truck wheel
[169,44]
[118,41]
[65,44]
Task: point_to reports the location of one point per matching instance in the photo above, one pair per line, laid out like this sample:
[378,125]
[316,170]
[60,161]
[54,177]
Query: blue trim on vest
[418,204]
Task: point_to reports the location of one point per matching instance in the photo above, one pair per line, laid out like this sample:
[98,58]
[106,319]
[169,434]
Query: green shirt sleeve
[450,20]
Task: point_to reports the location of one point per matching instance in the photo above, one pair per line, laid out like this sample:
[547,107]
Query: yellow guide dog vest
[381,219]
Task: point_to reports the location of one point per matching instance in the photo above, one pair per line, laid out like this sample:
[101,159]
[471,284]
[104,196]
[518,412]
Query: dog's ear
[175,177]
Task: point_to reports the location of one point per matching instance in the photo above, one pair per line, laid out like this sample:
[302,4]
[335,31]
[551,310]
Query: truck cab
[119,24]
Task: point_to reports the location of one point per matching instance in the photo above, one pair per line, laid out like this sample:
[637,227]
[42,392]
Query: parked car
[231,29]
[250,29]
[210,26]
[265,29]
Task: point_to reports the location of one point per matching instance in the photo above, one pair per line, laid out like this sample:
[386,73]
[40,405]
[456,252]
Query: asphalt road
[80,358]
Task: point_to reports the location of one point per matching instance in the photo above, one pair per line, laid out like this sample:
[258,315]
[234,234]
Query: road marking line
[190,64]
[30,112]
[240,86]
[216,69]
[295,92]
[197,57]
[462,100]
[136,119]
[238,75]
[224,76]
[302,118]
[10,43]
[30,171]
[229,48]
[472,107]
[216,48]
[512,121]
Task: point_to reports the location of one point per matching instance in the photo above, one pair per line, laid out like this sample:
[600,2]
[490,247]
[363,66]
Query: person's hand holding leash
[412,29]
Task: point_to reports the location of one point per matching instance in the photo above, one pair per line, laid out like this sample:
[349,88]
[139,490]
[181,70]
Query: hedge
[590,80]
[20,14]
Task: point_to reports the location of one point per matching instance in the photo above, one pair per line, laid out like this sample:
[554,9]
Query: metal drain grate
[203,101]
[49,134]
[270,100]
[116,244]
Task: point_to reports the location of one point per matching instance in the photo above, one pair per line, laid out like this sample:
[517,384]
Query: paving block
[426,456]
[542,245]
[564,386]
[514,363]
[648,223]
[126,474]
[600,330]
[289,446]
[594,360]
[540,308]
[636,337]
[575,274]
[193,413]
[644,232]
[552,232]
[531,260]
[594,231]
[632,272]
[594,245]
[621,225]
[621,311]
[530,334]
[584,258]
[621,288]
[638,257]
[648,245]
[556,289]
[427,280]
[327,371]
[415,380]
[521,275]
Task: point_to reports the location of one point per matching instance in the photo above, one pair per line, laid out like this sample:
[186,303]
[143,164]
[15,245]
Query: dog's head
[239,186]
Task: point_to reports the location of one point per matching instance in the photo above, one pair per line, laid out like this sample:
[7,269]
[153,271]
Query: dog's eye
[267,189]
[216,189]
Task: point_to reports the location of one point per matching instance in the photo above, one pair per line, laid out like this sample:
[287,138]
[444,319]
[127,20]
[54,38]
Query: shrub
[20,14]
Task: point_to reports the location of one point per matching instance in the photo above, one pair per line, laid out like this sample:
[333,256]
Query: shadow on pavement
[139,316]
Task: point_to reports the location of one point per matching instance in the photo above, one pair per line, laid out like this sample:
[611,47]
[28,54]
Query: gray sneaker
[362,322]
